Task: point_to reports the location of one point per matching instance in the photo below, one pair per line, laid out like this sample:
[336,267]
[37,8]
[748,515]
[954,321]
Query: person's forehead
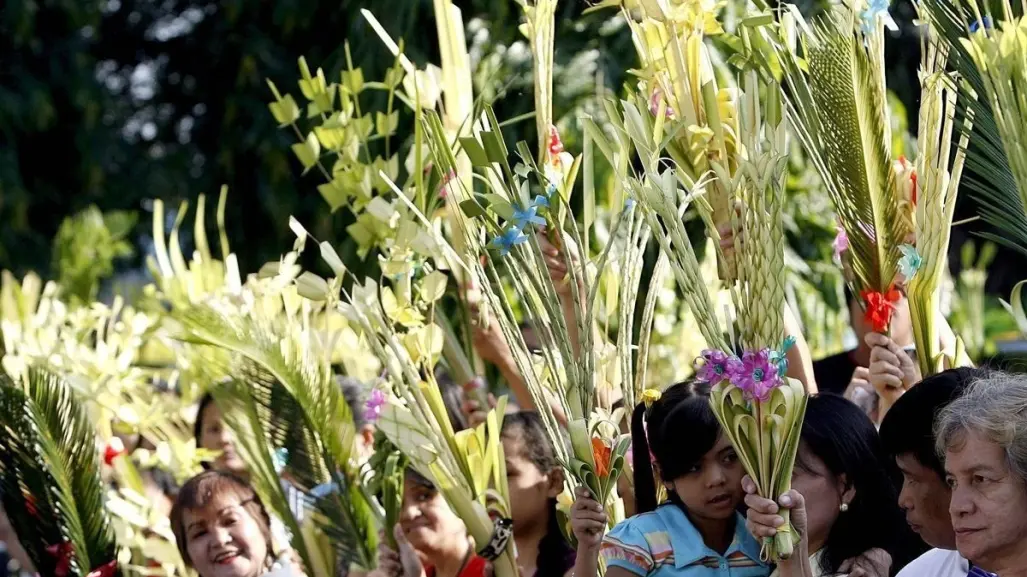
[213,508]
[973,451]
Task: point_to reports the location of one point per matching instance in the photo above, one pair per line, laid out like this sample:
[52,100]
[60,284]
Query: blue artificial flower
[509,239]
[875,9]
[526,216]
[540,201]
[976,24]
[280,458]
[629,203]
[910,261]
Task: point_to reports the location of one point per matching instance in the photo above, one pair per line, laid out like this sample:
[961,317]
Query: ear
[846,489]
[556,481]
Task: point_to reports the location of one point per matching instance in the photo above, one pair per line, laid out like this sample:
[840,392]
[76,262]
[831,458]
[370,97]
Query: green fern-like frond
[50,473]
[839,110]
[990,178]
[292,398]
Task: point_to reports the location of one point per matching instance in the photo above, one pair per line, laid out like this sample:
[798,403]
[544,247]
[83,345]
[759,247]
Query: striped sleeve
[626,547]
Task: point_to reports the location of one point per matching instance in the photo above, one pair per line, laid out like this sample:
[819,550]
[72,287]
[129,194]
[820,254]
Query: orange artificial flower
[601,454]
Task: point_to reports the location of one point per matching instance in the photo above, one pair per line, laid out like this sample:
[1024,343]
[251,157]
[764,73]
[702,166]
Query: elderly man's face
[989,502]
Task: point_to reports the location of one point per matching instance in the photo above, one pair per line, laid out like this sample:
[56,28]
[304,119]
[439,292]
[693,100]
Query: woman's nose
[221,535]
[715,476]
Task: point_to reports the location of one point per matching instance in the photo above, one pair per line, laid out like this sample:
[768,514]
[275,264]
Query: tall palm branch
[837,102]
[999,189]
[50,476]
[284,396]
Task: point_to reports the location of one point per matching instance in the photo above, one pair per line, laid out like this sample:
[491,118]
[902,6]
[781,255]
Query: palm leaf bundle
[467,467]
[283,395]
[50,477]
[838,107]
[939,173]
[696,118]
[384,477]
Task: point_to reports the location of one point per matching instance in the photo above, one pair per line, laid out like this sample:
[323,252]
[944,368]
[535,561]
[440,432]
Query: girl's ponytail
[645,481]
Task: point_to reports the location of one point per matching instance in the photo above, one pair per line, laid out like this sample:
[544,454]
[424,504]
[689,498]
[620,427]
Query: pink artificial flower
[712,366]
[841,242]
[444,189]
[654,105]
[373,407]
[755,374]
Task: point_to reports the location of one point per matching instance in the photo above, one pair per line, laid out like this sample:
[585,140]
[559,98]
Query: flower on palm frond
[522,217]
[505,242]
[280,458]
[554,144]
[114,449]
[712,366]
[755,374]
[984,24]
[444,187]
[601,453]
[657,100]
[840,243]
[373,407]
[910,261]
[877,9]
[880,307]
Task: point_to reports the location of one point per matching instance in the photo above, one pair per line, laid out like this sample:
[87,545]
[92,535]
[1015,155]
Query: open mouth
[226,557]
[720,500]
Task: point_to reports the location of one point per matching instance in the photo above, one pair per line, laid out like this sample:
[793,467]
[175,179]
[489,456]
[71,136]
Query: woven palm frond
[838,107]
[50,476]
[991,178]
[938,173]
[291,397]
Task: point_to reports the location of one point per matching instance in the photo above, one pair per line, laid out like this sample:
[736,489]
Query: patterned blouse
[664,543]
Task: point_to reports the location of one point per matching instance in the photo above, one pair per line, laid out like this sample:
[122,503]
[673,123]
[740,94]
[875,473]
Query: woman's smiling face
[224,540]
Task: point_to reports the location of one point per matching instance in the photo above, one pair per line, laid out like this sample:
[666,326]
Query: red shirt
[475,567]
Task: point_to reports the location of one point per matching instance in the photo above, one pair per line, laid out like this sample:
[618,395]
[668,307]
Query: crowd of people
[935,484]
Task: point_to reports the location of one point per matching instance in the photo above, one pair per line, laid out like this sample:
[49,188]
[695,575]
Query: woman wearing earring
[849,488]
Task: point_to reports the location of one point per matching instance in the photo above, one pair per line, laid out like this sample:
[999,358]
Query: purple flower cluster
[756,372]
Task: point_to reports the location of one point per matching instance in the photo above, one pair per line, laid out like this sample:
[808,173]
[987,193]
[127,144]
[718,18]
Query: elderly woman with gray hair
[983,437]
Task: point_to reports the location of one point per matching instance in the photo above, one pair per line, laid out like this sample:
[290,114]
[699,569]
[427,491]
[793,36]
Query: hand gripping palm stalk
[938,175]
[837,104]
[759,408]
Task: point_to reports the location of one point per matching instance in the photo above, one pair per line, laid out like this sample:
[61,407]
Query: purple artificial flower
[712,366]
[756,375]
[373,407]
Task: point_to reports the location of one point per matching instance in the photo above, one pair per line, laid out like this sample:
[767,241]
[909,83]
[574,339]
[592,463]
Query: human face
[428,522]
[224,540]
[988,504]
[925,499]
[214,435]
[712,489]
[823,491]
[530,488]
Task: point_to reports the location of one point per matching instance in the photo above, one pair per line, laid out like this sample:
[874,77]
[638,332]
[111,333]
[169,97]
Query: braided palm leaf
[938,175]
[290,396]
[838,107]
[50,475]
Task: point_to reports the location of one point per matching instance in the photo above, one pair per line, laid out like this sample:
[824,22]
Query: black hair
[353,391]
[555,555]
[198,424]
[908,427]
[842,435]
[677,430]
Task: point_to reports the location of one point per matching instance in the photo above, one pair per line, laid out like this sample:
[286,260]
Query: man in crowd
[983,435]
[907,433]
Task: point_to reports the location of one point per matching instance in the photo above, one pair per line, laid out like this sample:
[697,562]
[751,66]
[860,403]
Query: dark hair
[452,397]
[908,427]
[206,488]
[841,435]
[677,430]
[198,424]
[353,391]
[555,556]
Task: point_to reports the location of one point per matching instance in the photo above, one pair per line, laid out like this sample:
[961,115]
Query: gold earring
[843,507]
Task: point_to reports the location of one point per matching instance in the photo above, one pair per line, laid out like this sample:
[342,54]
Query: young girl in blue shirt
[698,531]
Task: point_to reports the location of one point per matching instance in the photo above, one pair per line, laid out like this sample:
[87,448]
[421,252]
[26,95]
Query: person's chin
[238,567]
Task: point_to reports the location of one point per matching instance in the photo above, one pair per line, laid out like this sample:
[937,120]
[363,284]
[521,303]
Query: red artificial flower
[555,145]
[115,448]
[880,307]
[912,178]
[601,454]
[106,570]
[63,553]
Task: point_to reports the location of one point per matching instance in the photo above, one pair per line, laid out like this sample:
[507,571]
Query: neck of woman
[528,542]
[450,561]
[716,533]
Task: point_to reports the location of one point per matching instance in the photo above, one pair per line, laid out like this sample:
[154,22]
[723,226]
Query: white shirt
[937,563]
